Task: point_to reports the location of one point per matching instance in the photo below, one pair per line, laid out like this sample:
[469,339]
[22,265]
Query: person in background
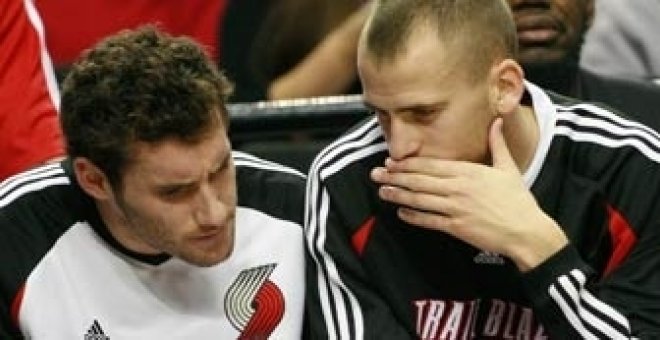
[474,204]
[29,98]
[551,36]
[151,227]
[258,57]
[622,43]
[74,26]
[329,68]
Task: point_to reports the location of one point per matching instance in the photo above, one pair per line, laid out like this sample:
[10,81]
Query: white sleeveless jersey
[63,277]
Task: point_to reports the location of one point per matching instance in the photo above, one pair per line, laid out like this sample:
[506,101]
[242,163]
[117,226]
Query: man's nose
[403,139]
[211,211]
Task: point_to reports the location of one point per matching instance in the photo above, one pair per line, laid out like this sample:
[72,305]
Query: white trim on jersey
[609,115]
[32,180]
[346,150]
[340,145]
[27,173]
[353,157]
[601,131]
[244,159]
[546,117]
[572,298]
[46,62]
[549,114]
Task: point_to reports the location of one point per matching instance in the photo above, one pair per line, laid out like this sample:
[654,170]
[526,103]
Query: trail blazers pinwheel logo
[253,304]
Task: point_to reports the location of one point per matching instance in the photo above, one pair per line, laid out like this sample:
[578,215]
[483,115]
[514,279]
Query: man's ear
[507,86]
[92,179]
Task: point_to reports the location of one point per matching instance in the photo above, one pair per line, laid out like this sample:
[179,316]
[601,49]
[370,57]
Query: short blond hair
[484,30]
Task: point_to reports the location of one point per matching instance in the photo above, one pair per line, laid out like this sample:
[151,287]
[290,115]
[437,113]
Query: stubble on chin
[208,257]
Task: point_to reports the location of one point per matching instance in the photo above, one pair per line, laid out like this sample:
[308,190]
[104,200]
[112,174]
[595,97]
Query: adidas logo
[489,257]
[95,332]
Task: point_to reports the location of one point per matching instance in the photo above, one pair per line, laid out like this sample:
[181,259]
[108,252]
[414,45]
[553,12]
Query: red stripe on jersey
[623,238]
[16,305]
[361,236]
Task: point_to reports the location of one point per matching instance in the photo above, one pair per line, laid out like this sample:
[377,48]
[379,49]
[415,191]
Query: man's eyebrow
[414,107]
[173,186]
[422,107]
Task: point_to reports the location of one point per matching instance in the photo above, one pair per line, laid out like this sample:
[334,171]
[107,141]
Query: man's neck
[120,230]
[521,131]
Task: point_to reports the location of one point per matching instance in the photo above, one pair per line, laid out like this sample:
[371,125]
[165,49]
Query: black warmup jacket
[595,173]
[639,100]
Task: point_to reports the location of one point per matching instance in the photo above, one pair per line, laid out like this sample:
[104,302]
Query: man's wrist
[539,246]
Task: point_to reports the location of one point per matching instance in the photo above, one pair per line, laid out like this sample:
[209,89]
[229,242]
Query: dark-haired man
[474,205]
[551,35]
[151,228]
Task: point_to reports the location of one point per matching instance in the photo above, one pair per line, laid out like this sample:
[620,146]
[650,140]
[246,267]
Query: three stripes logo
[253,304]
[95,332]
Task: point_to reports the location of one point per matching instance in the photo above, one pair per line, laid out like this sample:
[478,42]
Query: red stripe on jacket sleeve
[623,238]
[361,236]
[16,305]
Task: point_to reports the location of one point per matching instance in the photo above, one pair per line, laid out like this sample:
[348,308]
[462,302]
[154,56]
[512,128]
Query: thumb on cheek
[501,156]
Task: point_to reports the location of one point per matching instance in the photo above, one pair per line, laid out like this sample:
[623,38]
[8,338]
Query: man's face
[425,103]
[550,31]
[180,199]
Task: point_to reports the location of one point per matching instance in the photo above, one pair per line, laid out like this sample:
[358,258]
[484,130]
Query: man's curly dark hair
[140,86]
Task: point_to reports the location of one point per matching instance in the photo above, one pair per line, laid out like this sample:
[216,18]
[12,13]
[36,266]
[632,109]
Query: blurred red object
[73,25]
